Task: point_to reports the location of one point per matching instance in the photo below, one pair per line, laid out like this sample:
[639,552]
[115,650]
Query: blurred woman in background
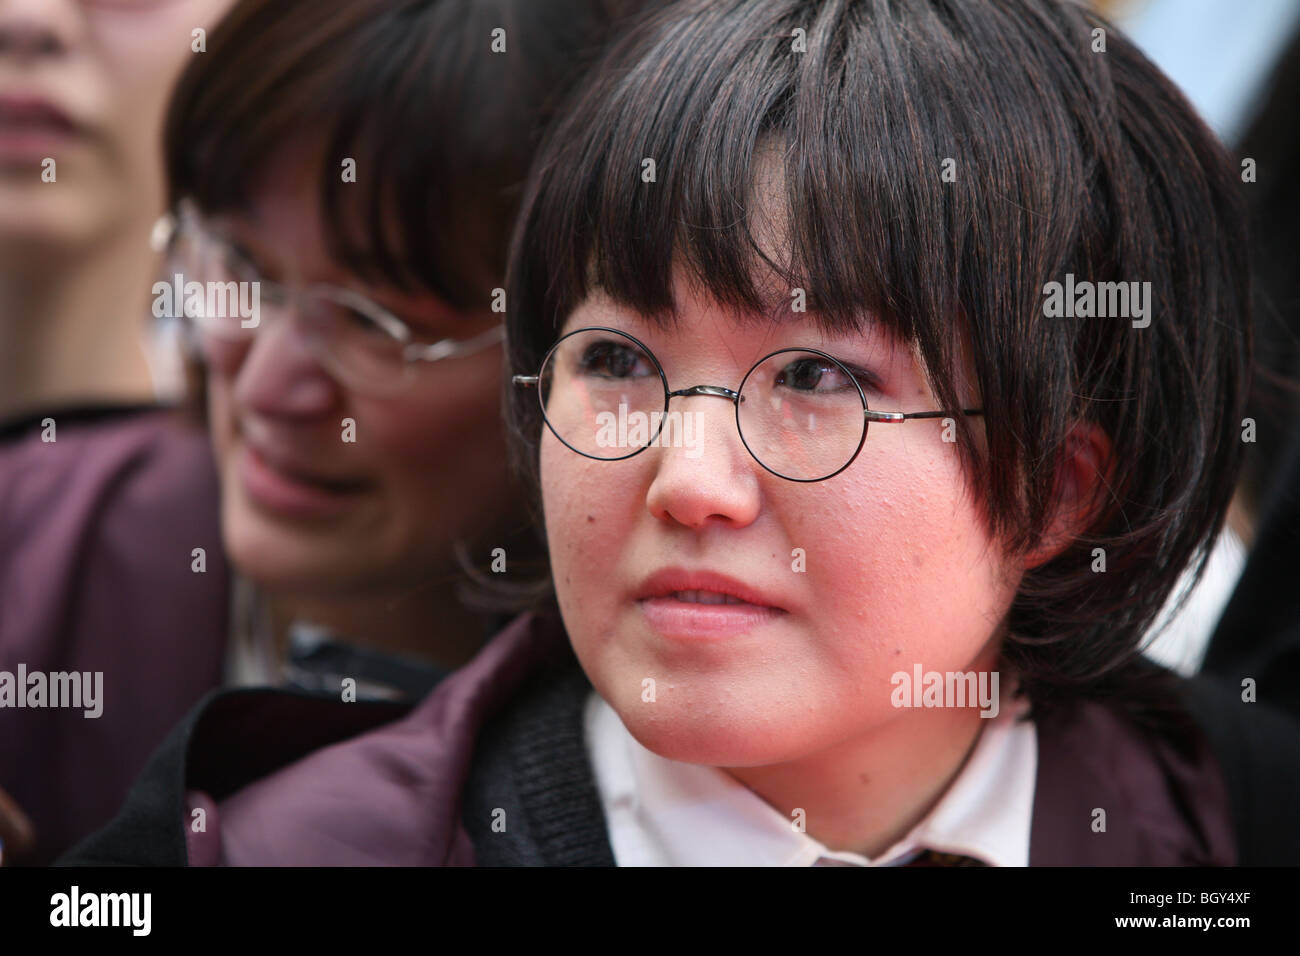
[353,169]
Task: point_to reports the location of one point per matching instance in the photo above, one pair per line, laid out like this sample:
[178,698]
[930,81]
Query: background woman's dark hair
[1067,161]
[441,129]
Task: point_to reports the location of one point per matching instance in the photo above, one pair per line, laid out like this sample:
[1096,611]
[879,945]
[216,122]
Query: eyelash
[869,381]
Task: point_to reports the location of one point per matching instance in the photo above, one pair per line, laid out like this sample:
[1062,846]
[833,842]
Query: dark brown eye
[811,374]
[613,360]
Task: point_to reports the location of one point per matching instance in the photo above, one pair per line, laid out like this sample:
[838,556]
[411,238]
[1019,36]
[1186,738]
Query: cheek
[407,438]
[142,57]
[235,515]
[222,357]
[905,561]
[589,513]
[562,482]
[444,425]
[220,410]
[439,455]
[148,52]
[222,361]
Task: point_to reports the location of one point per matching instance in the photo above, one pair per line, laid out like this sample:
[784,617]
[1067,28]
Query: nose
[703,474]
[280,375]
[32,29]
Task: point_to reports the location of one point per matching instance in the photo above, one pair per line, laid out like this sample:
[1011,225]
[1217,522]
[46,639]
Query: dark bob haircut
[442,129]
[1067,160]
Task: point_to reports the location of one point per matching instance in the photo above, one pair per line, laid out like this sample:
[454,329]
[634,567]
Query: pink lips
[703,605]
[292,493]
[32,128]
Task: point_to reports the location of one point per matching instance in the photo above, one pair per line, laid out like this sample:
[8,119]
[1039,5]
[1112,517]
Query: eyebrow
[777,315]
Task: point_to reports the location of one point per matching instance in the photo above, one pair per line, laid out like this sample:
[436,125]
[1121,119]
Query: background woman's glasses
[801,413]
[367,347]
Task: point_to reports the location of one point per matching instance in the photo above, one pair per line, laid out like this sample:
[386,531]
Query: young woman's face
[85,83]
[305,510]
[896,570]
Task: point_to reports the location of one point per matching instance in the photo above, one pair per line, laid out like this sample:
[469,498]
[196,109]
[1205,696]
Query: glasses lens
[217,284]
[364,354]
[801,415]
[603,395]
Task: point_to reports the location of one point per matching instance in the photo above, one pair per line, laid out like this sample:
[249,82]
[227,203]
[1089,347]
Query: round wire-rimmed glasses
[801,413]
[363,344]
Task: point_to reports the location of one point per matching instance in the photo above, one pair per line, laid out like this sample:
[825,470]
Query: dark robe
[1258,636]
[97,533]
[354,784]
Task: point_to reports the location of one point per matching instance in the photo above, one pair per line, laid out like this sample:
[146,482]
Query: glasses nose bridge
[290,327]
[283,298]
[717,391]
[709,391]
[293,306]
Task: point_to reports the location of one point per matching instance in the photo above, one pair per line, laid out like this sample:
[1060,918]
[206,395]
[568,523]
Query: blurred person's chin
[286,560]
[322,545]
[81,206]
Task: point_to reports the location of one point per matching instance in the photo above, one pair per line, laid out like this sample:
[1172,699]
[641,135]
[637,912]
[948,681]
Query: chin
[44,217]
[710,743]
[708,731]
[277,559]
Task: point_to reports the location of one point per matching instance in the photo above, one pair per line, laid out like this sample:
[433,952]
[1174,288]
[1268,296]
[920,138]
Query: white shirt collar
[667,813]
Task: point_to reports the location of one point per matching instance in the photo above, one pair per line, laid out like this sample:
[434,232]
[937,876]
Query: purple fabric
[1161,809]
[96,534]
[392,796]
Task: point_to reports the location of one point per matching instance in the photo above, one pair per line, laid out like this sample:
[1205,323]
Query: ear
[1082,491]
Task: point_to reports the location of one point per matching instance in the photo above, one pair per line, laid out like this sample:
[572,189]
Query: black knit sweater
[531,762]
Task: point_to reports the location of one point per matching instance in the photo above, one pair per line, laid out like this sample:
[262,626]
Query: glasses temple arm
[964,411]
[449,347]
[876,416]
